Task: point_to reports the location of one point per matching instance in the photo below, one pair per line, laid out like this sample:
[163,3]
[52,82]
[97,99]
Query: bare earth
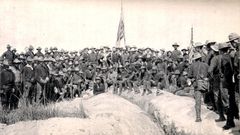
[108,114]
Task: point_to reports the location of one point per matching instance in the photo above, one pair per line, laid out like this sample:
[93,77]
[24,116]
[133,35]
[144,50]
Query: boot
[229,125]
[220,119]
[198,119]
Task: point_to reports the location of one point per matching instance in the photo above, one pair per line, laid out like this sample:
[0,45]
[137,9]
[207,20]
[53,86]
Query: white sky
[75,24]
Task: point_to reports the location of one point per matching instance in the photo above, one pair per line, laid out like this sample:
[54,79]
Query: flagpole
[191,51]
[123,20]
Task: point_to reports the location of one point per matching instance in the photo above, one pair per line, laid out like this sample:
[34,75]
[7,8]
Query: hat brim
[232,39]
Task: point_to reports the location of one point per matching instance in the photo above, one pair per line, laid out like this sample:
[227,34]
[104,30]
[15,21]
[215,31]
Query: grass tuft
[39,112]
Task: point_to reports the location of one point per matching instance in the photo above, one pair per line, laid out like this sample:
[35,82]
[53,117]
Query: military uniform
[198,71]
[41,73]
[28,81]
[8,55]
[6,88]
[227,82]
[29,54]
[220,95]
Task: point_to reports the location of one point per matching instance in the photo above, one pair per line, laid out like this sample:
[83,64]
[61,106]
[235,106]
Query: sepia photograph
[119,67]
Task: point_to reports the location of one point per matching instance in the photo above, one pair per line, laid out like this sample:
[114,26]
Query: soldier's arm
[190,72]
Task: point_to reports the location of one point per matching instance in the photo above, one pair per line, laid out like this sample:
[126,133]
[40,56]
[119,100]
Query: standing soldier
[175,53]
[199,49]
[41,73]
[30,52]
[234,39]
[226,74]
[6,85]
[18,87]
[220,94]
[39,53]
[27,80]
[198,72]
[8,55]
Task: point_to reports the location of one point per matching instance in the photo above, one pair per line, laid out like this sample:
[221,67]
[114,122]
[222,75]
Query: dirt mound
[107,114]
[176,114]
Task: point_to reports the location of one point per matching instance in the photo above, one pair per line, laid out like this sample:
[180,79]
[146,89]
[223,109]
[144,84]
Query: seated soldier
[120,81]
[111,78]
[157,80]
[77,80]
[184,89]
[98,86]
[144,76]
[133,79]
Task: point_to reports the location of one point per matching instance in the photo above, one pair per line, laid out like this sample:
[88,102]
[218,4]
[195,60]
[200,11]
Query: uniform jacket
[7,78]
[8,55]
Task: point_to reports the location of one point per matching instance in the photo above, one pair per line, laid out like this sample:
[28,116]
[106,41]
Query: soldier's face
[235,43]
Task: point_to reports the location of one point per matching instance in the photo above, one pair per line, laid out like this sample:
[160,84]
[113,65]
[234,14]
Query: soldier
[144,76]
[198,72]
[120,80]
[89,74]
[28,81]
[98,86]
[6,86]
[199,48]
[184,89]
[175,53]
[18,84]
[220,94]
[77,80]
[8,54]
[157,80]
[226,72]
[39,53]
[234,40]
[30,53]
[210,52]
[133,78]
[41,75]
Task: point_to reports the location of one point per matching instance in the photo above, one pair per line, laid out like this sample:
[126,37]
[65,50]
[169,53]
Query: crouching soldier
[6,86]
[98,86]
[198,72]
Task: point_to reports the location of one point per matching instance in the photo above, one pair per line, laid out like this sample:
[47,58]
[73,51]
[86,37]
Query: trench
[169,128]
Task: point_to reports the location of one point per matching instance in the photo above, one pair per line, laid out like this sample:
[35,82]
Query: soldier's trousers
[198,99]
[221,100]
[5,98]
[38,93]
[26,89]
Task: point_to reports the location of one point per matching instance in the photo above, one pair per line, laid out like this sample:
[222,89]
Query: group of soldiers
[209,70]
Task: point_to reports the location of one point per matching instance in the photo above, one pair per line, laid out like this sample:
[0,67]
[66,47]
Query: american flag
[121,32]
